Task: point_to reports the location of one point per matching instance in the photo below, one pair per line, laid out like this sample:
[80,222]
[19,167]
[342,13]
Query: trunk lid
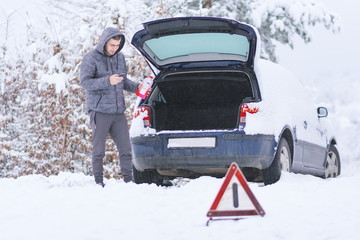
[197,42]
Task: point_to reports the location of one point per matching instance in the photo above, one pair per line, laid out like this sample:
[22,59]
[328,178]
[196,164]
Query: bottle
[145,87]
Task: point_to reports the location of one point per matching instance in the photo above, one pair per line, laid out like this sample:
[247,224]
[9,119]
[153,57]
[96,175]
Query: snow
[276,84]
[59,79]
[71,206]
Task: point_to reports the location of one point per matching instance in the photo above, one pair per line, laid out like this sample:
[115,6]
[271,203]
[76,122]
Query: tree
[280,21]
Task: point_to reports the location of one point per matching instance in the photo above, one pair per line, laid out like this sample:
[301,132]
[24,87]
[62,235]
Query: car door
[314,141]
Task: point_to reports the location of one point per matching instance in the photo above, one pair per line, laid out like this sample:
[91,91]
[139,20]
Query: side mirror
[322,112]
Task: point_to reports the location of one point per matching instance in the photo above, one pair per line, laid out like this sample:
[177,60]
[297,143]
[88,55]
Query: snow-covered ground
[71,206]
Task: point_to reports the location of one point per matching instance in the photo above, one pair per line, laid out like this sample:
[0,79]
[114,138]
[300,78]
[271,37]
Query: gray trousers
[116,125]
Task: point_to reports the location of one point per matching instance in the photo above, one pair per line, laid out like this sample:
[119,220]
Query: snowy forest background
[44,128]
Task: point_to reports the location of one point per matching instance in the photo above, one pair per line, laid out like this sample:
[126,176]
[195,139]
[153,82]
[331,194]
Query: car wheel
[149,176]
[282,162]
[332,167]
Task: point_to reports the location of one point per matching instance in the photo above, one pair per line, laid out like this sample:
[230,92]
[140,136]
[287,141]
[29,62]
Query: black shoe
[99,181]
[128,179]
[101,184]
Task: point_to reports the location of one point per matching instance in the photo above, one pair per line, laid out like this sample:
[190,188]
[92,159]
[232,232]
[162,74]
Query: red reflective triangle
[235,198]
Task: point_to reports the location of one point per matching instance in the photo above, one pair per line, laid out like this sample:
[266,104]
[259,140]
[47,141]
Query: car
[213,102]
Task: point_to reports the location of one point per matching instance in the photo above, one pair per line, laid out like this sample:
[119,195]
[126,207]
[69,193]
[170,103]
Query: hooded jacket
[95,70]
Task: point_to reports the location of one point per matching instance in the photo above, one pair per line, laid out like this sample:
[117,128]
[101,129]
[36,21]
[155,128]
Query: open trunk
[199,100]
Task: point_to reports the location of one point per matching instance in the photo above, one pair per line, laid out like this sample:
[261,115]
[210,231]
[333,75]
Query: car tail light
[144,112]
[244,109]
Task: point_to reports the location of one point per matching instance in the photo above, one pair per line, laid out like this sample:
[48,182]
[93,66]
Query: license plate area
[196,142]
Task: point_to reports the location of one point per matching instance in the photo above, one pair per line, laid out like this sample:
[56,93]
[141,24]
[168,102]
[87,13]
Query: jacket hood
[108,33]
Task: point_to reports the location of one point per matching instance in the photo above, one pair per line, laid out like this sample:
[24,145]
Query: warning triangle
[235,198]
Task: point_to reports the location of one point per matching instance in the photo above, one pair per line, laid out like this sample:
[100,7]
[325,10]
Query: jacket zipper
[116,100]
[112,72]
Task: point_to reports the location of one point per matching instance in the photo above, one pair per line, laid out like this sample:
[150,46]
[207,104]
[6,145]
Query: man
[103,76]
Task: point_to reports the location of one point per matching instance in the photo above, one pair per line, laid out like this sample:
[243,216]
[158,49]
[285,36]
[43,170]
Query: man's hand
[115,79]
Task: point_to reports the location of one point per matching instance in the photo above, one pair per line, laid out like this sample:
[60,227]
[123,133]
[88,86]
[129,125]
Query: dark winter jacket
[95,70]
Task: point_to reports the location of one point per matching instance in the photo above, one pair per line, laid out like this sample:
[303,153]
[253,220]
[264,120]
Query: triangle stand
[235,198]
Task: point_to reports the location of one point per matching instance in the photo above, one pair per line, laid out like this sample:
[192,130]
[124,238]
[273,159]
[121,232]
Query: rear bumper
[152,152]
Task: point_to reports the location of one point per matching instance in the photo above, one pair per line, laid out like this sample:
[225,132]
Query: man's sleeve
[130,85]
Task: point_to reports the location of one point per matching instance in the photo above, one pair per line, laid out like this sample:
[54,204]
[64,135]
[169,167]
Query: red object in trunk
[146,117]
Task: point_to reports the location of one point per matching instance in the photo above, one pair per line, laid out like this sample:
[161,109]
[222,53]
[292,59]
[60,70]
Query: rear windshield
[203,44]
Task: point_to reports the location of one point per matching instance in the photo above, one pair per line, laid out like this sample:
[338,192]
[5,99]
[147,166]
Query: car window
[198,43]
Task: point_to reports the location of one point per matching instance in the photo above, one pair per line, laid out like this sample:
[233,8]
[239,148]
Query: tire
[332,165]
[149,177]
[282,162]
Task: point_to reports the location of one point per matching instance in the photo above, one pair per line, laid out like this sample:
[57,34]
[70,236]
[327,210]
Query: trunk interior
[199,100]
